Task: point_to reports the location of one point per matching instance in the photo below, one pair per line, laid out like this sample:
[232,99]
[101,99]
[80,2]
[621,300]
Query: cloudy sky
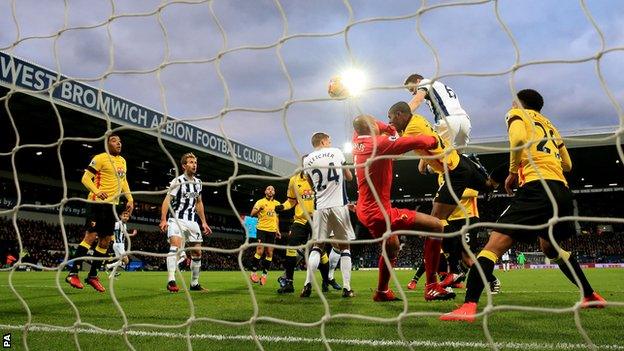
[467,39]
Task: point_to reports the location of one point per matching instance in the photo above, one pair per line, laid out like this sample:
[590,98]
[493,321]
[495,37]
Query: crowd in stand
[43,245]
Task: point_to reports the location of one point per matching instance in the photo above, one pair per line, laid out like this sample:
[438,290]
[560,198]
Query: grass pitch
[226,317]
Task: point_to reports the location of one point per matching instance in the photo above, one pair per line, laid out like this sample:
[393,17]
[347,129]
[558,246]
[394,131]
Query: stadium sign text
[37,79]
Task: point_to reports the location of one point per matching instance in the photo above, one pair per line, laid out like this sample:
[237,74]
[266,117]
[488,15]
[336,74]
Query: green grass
[144,300]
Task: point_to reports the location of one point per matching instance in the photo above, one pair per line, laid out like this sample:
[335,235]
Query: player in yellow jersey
[462,173]
[267,231]
[537,154]
[301,197]
[105,178]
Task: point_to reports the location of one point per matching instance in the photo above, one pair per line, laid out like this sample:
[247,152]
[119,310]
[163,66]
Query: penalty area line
[302,340]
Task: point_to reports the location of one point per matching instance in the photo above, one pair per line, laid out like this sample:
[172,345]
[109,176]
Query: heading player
[451,121]
[184,203]
[106,180]
[324,169]
[537,153]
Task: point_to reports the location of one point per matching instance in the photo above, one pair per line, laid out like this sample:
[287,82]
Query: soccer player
[323,166]
[505,260]
[300,196]
[451,121]
[267,230]
[521,260]
[105,178]
[462,173]
[184,203]
[373,138]
[537,153]
[119,245]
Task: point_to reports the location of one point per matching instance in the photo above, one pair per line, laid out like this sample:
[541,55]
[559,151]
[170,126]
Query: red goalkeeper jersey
[380,171]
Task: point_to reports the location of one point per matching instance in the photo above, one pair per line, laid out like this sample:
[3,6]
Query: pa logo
[6,341]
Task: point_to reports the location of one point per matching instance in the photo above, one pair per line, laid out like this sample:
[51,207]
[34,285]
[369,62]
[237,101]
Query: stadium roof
[595,158]
[76,96]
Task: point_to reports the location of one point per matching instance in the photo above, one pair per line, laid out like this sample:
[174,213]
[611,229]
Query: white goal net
[245,83]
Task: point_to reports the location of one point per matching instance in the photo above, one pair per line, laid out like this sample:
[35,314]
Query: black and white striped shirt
[184,193]
[120,227]
[441,99]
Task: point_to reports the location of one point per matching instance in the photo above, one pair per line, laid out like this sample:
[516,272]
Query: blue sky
[468,39]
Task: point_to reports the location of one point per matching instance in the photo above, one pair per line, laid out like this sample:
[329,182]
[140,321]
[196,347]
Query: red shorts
[400,219]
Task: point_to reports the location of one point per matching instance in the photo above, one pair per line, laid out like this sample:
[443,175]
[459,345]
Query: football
[337,89]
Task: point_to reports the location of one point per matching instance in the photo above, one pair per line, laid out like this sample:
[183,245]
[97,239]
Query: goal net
[243,84]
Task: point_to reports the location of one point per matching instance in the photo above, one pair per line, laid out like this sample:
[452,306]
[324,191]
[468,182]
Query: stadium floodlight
[347,147]
[354,80]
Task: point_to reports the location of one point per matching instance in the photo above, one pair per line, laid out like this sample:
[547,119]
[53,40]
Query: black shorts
[466,175]
[299,234]
[531,206]
[100,219]
[265,237]
[455,242]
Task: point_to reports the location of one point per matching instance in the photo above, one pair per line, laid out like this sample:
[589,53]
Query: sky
[467,40]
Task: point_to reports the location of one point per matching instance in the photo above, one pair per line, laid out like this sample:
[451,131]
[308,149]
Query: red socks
[432,258]
[384,273]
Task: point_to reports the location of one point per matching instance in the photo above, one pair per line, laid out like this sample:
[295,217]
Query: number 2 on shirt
[332,176]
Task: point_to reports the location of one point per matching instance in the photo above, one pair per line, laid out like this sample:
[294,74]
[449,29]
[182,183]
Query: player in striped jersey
[537,154]
[184,204]
[451,121]
[105,178]
[119,245]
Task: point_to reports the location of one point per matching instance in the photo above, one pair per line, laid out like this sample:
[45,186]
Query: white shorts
[188,230]
[119,249]
[332,223]
[455,128]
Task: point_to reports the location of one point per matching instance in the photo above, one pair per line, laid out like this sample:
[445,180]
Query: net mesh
[116,58]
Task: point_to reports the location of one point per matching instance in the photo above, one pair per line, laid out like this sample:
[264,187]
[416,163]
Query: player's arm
[199,207]
[566,161]
[347,174]
[257,208]
[386,128]
[286,205]
[164,209]
[417,99]
[278,235]
[401,145]
[517,137]
[134,232]
[87,179]
[125,188]
[291,201]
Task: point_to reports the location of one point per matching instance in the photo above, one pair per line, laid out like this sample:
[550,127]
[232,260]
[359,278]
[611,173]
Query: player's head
[320,139]
[399,115]
[412,81]
[125,216]
[189,163]
[114,144]
[269,192]
[530,99]
[365,125]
